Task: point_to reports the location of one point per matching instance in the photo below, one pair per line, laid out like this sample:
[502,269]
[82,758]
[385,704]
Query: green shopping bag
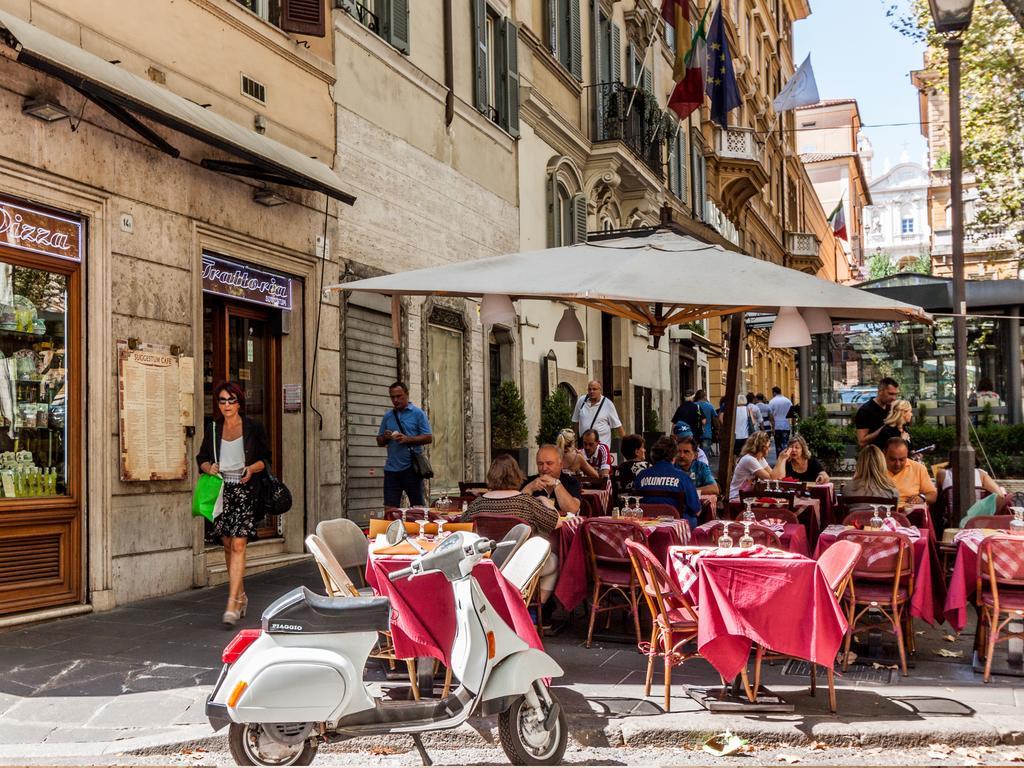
[208,496]
[986,506]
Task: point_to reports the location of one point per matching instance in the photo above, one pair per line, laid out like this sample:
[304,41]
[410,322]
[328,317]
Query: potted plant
[653,428]
[508,424]
[555,415]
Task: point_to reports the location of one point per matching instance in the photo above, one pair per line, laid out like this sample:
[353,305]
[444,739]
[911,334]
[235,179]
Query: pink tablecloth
[825,494]
[594,501]
[423,608]
[778,600]
[963,585]
[572,587]
[929,590]
[793,536]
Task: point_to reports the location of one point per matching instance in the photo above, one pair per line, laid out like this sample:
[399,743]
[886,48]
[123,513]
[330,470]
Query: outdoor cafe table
[963,584]
[423,608]
[929,590]
[808,512]
[778,600]
[792,535]
[825,493]
[594,501]
[572,587]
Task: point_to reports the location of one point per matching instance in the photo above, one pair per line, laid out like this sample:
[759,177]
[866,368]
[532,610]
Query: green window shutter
[579,218]
[480,55]
[510,36]
[554,231]
[575,40]
[615,54]
[648,83]
[397,15]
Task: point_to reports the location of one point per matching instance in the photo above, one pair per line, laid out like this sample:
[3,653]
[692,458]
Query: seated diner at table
[982,479]
[663,476]
[795,461]
[553,485]
[504,497]
[752,465]
[573,460]
[870,479]
[596,454]
[910,477]
[635,452]
[699,471]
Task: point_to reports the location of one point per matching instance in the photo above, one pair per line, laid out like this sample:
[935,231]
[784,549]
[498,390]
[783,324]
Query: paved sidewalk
[134,680]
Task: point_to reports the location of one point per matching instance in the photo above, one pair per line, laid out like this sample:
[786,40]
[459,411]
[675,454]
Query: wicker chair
[610,568]
[655,509]
[1000,591]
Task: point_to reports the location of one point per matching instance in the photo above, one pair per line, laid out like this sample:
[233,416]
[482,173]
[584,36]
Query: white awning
[121,93]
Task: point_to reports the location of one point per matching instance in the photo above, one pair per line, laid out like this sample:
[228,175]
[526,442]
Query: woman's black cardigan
[254,440]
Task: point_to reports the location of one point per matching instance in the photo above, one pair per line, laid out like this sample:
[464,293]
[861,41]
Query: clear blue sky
[857,54]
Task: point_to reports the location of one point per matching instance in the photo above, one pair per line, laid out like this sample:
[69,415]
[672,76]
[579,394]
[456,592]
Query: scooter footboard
[515,674]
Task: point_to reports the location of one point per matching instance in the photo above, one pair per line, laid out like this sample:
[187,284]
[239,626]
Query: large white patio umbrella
[659,280]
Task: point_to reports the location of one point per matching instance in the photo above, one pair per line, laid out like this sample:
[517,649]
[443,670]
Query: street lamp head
[951,16]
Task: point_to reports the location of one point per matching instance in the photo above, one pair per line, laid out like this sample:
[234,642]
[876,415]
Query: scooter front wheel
[250,744]
[525,738]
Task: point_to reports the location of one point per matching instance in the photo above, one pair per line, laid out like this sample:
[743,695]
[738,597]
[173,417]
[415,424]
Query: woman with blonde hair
[870,478]
[895,425]
[753,464]
[573,459]
[796,462]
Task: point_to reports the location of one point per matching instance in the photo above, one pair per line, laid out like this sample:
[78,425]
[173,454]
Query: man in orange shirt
[910,477]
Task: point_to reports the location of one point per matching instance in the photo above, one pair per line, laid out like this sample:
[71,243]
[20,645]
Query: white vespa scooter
[297,682]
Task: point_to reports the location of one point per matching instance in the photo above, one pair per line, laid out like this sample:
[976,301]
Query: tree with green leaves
[992,95]
[881,265]
[508,417]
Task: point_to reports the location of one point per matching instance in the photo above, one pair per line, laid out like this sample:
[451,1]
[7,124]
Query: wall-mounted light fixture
[44,108]
[268,197]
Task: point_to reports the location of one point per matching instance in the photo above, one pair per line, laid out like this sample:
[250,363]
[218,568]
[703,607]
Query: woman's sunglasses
[227,400]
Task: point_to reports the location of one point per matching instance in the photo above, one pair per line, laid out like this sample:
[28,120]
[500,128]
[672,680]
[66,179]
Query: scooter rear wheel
[524,738]
[250,745]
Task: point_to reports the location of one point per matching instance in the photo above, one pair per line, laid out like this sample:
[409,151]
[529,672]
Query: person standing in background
[687,420]
[707,411]
[403,430]
[871,416]
[780,406]
[595,411]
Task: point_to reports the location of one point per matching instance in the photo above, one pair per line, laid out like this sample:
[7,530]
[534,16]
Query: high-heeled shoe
[230,618]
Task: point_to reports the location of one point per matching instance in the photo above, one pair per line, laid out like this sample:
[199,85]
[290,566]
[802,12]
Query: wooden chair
[847,504]
[786,515]
[657,509]
[674,617]
[610,567]
[995,522]
[785,486]
[349,545]
[862,516]
[338,584]
[761,534]
[492,525]
[471,489]
[1001,591]
[883,580]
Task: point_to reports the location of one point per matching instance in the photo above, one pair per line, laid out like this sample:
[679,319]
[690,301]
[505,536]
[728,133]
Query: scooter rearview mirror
[396,533]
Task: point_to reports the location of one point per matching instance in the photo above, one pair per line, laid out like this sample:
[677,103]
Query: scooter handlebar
[400,574]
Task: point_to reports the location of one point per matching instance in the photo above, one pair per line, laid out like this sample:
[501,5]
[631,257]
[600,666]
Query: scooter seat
[304,611]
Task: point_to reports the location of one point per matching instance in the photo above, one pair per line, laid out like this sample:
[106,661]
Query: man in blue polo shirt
[664,477]
[404,430]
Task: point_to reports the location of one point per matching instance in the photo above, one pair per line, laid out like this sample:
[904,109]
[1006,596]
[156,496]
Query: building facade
[896,224]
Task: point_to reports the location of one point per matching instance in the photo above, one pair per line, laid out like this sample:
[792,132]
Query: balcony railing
[360,13]
[738,144]
[976,240]
[639,126]
[802,244]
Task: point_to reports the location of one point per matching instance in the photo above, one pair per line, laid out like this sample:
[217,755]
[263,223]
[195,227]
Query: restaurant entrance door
[242,343]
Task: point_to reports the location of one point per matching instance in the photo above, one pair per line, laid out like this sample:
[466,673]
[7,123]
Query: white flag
[800,91]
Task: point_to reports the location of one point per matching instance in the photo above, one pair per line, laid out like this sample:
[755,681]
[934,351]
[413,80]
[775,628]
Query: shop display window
[33,382]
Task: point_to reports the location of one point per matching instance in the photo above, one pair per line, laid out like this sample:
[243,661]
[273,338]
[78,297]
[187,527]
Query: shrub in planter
[826,441]
[555,415]
[508,423]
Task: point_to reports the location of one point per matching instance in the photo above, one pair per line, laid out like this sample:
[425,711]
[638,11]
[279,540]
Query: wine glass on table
[748,513]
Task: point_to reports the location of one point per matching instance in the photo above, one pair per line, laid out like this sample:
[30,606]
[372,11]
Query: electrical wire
[319,308]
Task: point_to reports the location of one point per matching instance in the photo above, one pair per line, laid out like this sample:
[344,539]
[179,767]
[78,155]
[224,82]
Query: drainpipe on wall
[449,66]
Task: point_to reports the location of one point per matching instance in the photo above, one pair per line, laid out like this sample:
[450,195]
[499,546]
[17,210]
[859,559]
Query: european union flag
[719,79]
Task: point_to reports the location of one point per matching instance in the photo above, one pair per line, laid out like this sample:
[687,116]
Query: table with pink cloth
[929,590]
[963,584]
[825,493]
[572,587]
[423,608]
[792,535]
[596,501]
[807,510]
[778,600]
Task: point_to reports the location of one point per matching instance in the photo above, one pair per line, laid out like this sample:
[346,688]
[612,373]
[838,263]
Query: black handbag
[420,463]
[272,496]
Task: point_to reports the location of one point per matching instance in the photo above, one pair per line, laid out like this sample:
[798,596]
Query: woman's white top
[742,417]
[947,480]
[746,467]
[232,459]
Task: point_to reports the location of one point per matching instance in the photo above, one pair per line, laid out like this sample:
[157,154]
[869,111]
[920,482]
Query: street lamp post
[951,18]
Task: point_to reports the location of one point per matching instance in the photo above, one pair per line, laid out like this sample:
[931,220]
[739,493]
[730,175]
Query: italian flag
[838,221]
[688,94]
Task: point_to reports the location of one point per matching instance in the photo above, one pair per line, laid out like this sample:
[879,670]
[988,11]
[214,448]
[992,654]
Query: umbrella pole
[732,383]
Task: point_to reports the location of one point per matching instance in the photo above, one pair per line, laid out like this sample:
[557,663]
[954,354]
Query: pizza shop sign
[29,229]
[245,283]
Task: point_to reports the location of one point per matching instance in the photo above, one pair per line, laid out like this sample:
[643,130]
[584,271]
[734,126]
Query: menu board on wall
[149,415]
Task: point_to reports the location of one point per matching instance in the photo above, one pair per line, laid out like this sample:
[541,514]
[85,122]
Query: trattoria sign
[245,283]
[36,231]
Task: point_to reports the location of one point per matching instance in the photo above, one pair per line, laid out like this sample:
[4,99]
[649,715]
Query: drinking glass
[748,514]
[1017,524]
[422,523]
[725,540]
[440,528]
[746,540]
[405,514]
[875,521]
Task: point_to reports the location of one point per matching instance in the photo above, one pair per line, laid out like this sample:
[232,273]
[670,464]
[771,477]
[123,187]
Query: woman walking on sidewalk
[240,454]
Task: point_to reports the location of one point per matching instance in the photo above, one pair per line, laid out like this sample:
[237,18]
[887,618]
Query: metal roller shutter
[371,364]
